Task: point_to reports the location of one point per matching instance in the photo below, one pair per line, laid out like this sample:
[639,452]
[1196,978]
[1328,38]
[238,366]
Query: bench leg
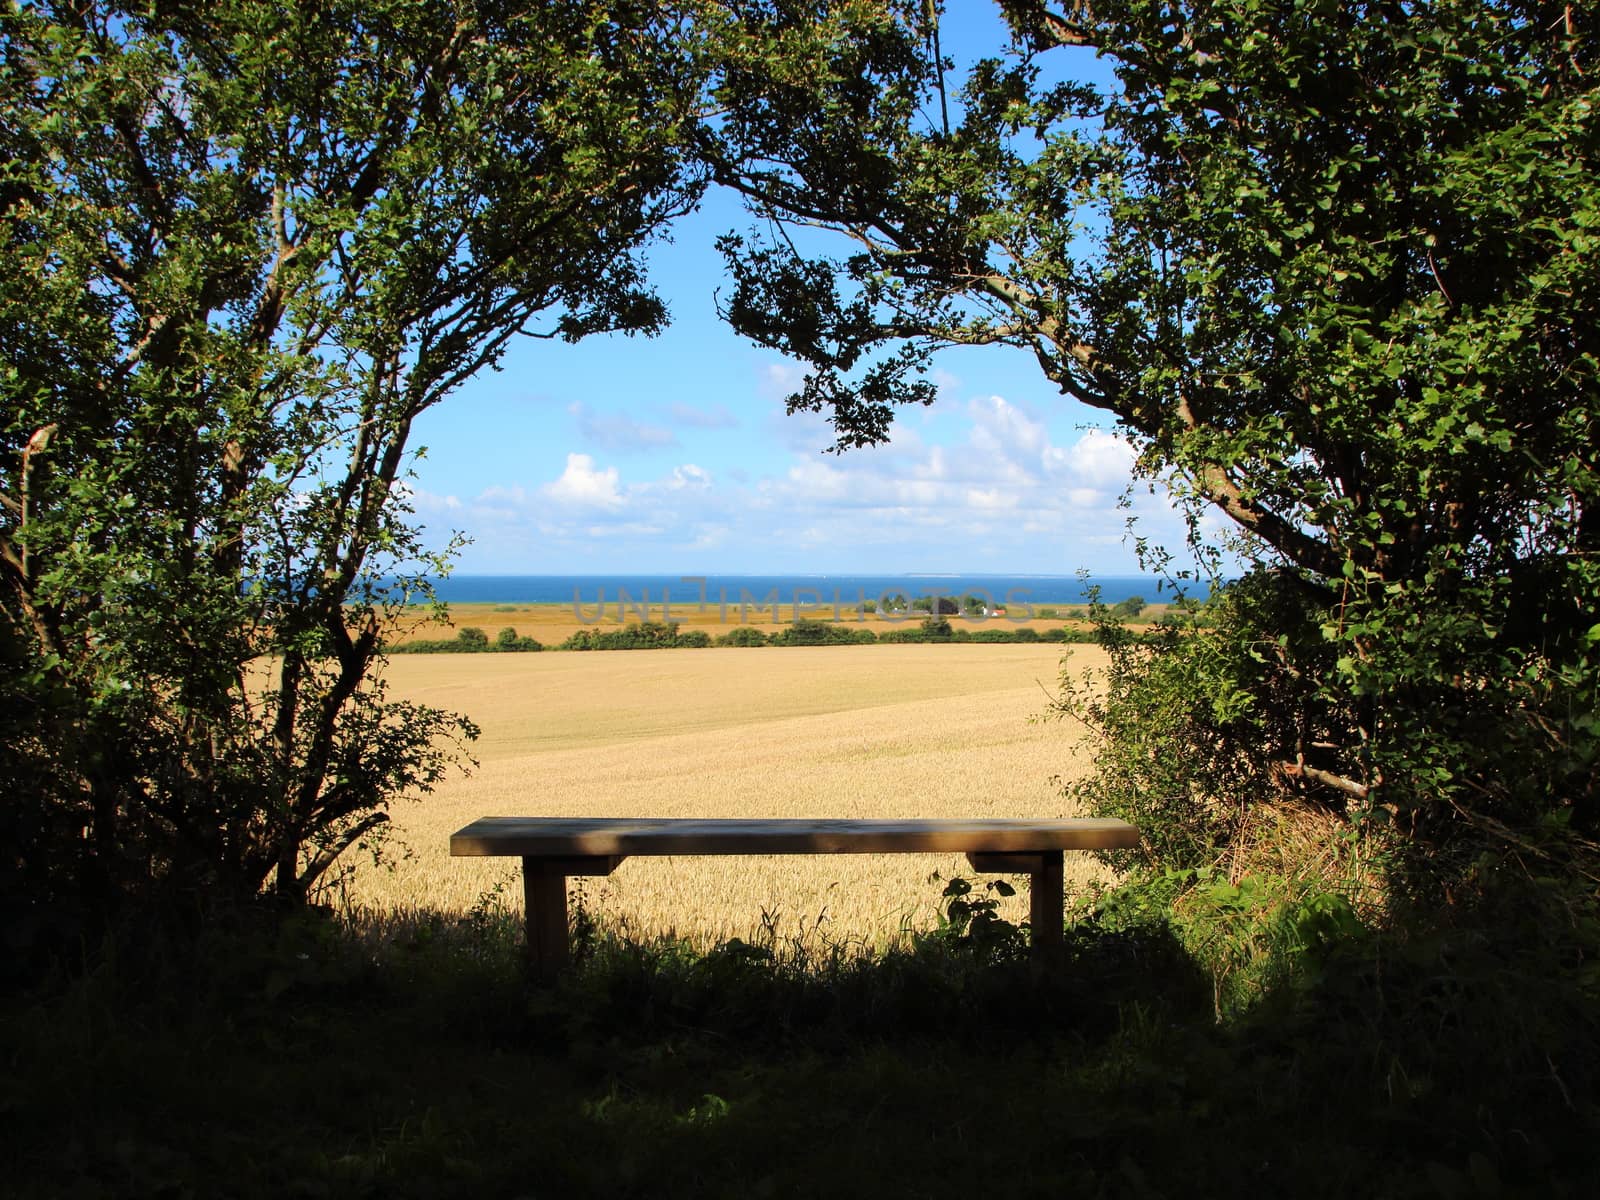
[545,897]
[1046,911]
[1046,872]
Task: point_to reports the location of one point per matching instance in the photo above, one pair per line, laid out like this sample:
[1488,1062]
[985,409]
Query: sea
[689,591]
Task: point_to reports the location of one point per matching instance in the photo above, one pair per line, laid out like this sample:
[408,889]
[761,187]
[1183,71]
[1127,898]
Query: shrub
[743,635]
[902,635]
[646,635]
[814,633]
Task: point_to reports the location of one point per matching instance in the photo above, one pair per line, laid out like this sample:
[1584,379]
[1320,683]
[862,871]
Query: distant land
[689,590]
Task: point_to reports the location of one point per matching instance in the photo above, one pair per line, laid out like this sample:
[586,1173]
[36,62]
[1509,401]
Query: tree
[1130,606]
[247,244]
[1331,268]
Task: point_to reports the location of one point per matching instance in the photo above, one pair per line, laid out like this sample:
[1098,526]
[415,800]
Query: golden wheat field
[846,731]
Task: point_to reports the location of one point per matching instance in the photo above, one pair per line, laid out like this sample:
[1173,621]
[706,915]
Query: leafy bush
[807,632]
[426,646]
[644,635]
[267,268]
[743,635]
[469,641]
[1191,727]
[996,635]
[895,636]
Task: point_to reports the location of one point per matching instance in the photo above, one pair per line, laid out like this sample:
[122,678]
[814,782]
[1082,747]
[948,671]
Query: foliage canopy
[246,245]
[1331,268]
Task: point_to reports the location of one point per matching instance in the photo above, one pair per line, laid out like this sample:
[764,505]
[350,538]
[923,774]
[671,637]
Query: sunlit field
[847,731]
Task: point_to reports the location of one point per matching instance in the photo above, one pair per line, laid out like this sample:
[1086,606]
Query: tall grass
[400,1053]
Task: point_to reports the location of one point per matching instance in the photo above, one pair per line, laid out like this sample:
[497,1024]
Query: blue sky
[674,455]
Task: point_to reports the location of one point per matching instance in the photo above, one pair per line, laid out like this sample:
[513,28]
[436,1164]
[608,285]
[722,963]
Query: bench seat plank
[553,848]
[602,837]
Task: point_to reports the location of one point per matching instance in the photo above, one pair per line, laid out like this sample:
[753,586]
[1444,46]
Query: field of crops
[850,731]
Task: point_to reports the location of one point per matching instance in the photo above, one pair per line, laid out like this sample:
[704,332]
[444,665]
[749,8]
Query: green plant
[972,919]
[1354,316]
[806,632]
[248,245]
[1129,607]
[644,635]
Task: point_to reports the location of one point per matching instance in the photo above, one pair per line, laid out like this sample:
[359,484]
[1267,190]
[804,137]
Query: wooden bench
[552,848]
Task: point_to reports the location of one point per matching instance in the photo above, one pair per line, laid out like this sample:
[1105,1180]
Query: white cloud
[990,498]
[1000,494]
[616,432]
[1002,430]
[425,501]
[1098,459]
[781,379]
[687,476]
[582,486]
[947,384]
[625,529]
[715,417]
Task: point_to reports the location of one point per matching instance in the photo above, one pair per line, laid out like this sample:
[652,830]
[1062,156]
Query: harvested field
[848,731]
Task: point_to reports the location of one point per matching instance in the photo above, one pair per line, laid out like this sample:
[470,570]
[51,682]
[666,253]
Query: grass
[395,1050]
[404,1057]
[852,731]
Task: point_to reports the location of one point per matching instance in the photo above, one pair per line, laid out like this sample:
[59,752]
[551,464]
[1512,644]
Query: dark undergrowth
[312,1057]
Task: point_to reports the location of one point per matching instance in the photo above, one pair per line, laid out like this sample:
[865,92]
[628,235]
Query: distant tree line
[657,635]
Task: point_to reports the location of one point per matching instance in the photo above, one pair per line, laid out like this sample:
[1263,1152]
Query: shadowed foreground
[412,1061]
